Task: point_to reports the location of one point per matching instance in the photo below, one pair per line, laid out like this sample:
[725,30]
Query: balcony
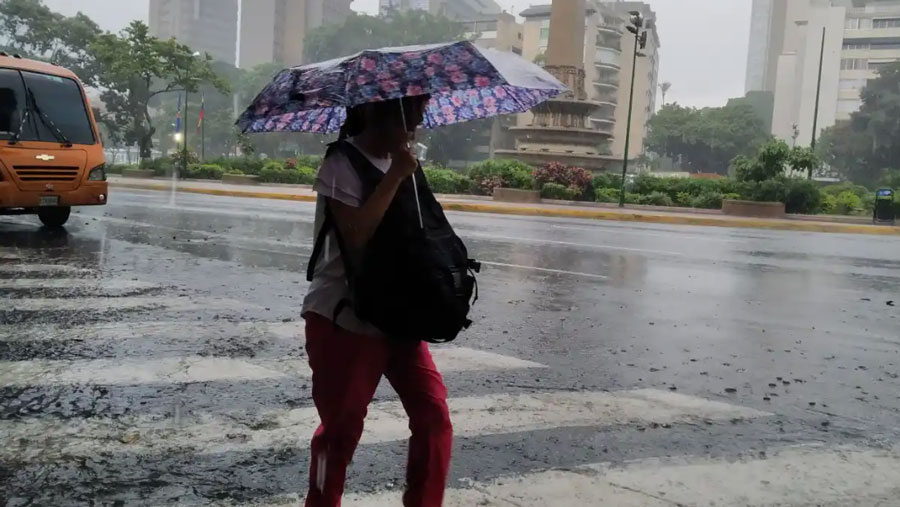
[610,29]
[604,125]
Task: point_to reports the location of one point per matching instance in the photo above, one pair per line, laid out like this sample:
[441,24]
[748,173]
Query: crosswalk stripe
[101,285]
[792,477]
[41,268]
[105,304]
[386,422]
[189,369]
[149,331]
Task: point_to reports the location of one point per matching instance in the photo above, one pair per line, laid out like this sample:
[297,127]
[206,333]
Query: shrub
[275,171]
[773,190]
[159,166]
[631,198]
[803,196]
[447,181]
[560,192]
[490,174]
[684,199]
[845,203]
[839,188]
[708,200]
[247,165]
[117,168]
[606,195]
[204,172]
[577,179]
[646,184]
[313,161]
[606,180]
[656,199]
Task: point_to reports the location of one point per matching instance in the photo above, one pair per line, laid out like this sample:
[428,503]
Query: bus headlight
[97,174]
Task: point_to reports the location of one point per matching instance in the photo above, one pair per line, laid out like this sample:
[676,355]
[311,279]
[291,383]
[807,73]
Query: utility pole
[640,42]
[815,125]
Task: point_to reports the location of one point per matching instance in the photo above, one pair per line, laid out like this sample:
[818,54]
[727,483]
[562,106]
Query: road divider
[676,217]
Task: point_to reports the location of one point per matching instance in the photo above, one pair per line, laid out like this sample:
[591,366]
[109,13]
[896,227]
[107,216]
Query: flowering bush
[577,179]
[490,174]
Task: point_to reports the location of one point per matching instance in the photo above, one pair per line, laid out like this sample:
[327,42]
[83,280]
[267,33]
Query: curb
[591,214]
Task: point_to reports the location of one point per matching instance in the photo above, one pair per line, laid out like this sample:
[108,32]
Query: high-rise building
[275,30]
[465,9]
[209,26]
[385,6]
[854,38]
[608,47]
[767,29]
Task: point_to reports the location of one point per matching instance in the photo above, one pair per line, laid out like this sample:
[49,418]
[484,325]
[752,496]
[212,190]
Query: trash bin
[884,207]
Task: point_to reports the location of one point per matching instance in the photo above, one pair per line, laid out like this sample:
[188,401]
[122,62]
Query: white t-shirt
[338,180]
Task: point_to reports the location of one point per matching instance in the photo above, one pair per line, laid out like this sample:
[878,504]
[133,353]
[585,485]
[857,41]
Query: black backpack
[414,280]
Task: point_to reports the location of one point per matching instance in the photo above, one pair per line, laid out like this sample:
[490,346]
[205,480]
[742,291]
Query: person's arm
[357,225]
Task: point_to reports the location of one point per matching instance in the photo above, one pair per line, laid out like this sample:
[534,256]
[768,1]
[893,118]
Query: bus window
[61,100]
[12,102]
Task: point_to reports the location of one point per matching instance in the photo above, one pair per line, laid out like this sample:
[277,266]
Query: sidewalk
[474,204]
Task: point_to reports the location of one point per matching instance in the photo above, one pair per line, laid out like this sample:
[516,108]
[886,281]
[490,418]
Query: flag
[178,116]
[202,114]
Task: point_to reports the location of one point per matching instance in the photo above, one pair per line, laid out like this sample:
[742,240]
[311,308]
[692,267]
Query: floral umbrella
[465,82]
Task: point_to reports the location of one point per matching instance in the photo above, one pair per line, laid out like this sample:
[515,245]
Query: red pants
[346,370]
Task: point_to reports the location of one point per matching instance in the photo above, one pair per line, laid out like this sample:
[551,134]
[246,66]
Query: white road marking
[544,270]
[386,422]
[75,283]
[104,304]
[41,268]
[149,331]
[187,369]
[569,243]
[792,477]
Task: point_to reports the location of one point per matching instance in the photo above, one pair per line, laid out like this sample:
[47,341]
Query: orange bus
[51,157]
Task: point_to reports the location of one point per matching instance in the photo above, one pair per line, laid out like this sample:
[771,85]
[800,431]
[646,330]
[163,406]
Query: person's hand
[403,163]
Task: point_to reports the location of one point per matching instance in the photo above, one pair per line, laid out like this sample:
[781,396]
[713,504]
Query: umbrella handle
[415,185]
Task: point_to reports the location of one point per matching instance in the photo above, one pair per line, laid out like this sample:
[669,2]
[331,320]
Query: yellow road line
[593,214]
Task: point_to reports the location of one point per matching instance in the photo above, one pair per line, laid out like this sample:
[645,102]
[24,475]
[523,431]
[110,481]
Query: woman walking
[348,356]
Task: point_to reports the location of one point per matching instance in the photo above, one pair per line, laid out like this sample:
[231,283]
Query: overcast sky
[703,54]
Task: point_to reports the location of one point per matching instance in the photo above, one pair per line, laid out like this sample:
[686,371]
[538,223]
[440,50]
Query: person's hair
[356,115]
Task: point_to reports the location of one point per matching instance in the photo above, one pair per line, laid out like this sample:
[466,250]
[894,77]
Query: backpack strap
[319,246]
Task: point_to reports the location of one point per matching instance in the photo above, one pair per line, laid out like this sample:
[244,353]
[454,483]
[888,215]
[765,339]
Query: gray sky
[703,54]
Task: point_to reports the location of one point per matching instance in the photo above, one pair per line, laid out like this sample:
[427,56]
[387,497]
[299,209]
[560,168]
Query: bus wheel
[54,217]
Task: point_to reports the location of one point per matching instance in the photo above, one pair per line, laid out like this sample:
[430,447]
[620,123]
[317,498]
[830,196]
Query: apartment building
[853,39]
[275,30]
[608,48]
[454,9]
[208,26]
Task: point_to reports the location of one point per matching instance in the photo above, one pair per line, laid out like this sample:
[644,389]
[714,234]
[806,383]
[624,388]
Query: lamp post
[638,28]
[184,153]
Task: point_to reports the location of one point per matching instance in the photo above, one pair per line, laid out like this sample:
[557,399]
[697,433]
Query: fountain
[561,129]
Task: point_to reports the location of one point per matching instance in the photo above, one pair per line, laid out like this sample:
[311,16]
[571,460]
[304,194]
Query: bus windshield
[55,108]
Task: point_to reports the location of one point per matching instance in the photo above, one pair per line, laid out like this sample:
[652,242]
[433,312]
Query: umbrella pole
[415,185]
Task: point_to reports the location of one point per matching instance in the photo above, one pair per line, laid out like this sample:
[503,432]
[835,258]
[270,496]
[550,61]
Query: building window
[886,23]
[848,106]
[852,84]
[545,33]
[881,65]
[854,64]
[858,23]
[849,46]
[885,45]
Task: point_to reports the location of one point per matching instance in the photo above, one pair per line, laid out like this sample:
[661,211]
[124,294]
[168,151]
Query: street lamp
[639,28]
[184,152]
[178,137]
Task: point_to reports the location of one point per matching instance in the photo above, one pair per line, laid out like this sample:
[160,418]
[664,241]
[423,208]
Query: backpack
[414,280]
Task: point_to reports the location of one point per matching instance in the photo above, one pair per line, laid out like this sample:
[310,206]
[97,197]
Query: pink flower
[482,81]
[368,64]
[413,90]
[500,92]
[429,71]
[452,68]
[490,102]
[384,75]
[361,80]
[435,58]
[457,77]
[457,100]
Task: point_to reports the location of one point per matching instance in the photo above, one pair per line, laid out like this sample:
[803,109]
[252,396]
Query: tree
[803,160]
[33,30]
[862,148]
[706,140]
[664,88]
[359,32]
[135,67]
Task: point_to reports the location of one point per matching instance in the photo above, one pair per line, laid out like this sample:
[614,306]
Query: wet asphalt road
[802,327]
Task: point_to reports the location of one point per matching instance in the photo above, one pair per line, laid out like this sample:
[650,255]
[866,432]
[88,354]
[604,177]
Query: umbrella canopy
[465,82]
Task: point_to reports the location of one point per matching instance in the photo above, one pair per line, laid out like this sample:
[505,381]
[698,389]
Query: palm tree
[665,89]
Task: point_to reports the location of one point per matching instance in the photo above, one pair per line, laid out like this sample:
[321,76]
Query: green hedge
[447,181]
[276,172]
[490,174]
[204,172]
[559,192]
